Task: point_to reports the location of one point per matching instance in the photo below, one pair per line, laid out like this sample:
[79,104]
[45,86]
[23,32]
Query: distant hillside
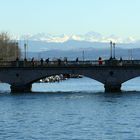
[36,46]
[88,54]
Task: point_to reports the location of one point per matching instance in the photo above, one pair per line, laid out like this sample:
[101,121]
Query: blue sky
[119,17]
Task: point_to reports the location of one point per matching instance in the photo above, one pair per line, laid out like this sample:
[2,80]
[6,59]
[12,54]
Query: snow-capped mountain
[45,42]
[89,37]
[46,37]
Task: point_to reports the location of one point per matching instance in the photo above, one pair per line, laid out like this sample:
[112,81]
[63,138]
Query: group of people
[59,61]
[41,61]
[48,60]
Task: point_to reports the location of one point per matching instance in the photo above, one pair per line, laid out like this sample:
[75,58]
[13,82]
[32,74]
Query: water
[71,110]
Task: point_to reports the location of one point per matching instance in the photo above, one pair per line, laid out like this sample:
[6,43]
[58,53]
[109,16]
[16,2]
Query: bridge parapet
[46,64]
[69,63]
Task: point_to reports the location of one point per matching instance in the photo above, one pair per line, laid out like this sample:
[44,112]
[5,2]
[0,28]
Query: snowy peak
[46,37]
[90,37]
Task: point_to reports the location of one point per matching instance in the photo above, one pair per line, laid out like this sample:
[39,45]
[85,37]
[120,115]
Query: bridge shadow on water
[95,97]
[79,94]
[90,99]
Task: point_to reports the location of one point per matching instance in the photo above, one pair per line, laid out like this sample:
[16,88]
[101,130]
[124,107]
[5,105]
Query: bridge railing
[46,64]
[69,63]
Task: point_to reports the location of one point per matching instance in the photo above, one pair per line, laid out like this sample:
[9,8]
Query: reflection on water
[60,113]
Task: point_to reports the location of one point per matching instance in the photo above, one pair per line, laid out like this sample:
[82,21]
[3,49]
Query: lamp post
[114,50]
[131,54]
[83,56]
[111,49]
[17,53]
[25,47]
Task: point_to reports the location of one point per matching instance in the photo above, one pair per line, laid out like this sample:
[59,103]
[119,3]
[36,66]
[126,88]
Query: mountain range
[92,43]
[89,37]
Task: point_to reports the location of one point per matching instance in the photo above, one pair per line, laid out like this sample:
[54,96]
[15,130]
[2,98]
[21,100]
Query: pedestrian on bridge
[17,62]
[25,62]
[65,60]
[41,61]
[77,60]
[59,61]
[47,60]
[100,61]
[120,61]
[32,61]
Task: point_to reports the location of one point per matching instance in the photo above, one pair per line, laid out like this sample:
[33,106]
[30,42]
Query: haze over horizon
[120,18]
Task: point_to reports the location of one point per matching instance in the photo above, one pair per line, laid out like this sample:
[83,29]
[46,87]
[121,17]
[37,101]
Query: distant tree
[9,49]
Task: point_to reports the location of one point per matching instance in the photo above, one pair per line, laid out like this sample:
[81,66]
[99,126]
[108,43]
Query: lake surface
[76,109]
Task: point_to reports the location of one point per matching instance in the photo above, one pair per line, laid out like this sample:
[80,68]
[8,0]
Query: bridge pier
[112,88]
[21,88]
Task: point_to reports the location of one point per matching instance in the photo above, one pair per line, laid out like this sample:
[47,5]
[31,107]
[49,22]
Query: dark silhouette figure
[120,59]
[17,61]
[100,61]
[25,60]
[32,61]
[65,60]
[77,60]
[47,60]
[41,61]
[59,61]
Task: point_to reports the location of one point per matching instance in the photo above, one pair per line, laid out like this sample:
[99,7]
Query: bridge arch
[84,84]
[45,76]
[91,82]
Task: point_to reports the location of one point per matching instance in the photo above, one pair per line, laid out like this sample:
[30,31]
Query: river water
[76,109]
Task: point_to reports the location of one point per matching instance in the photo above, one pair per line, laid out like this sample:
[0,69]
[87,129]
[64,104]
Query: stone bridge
[112,75]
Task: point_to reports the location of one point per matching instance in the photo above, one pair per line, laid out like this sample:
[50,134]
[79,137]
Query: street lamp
[17,53]
[25,47]
[83,56]
[114,49]
[111,49]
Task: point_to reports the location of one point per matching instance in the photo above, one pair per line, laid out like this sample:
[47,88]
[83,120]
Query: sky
[118,17]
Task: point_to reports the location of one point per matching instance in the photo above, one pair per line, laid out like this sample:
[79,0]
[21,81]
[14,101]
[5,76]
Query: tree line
[9,49]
